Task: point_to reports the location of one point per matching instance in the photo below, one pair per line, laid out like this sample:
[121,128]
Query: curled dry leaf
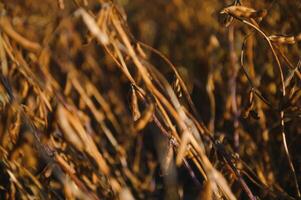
[145,118]
[134,104]
[243,11]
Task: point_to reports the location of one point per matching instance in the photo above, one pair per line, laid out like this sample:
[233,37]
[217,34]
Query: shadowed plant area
[156,99]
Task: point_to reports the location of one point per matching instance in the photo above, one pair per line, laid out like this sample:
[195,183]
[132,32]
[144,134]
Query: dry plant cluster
[150,99]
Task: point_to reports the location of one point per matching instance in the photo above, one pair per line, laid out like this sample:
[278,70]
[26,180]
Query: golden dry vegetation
[150,99]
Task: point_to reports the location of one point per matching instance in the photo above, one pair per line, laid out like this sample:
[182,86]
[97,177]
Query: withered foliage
[150,99]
